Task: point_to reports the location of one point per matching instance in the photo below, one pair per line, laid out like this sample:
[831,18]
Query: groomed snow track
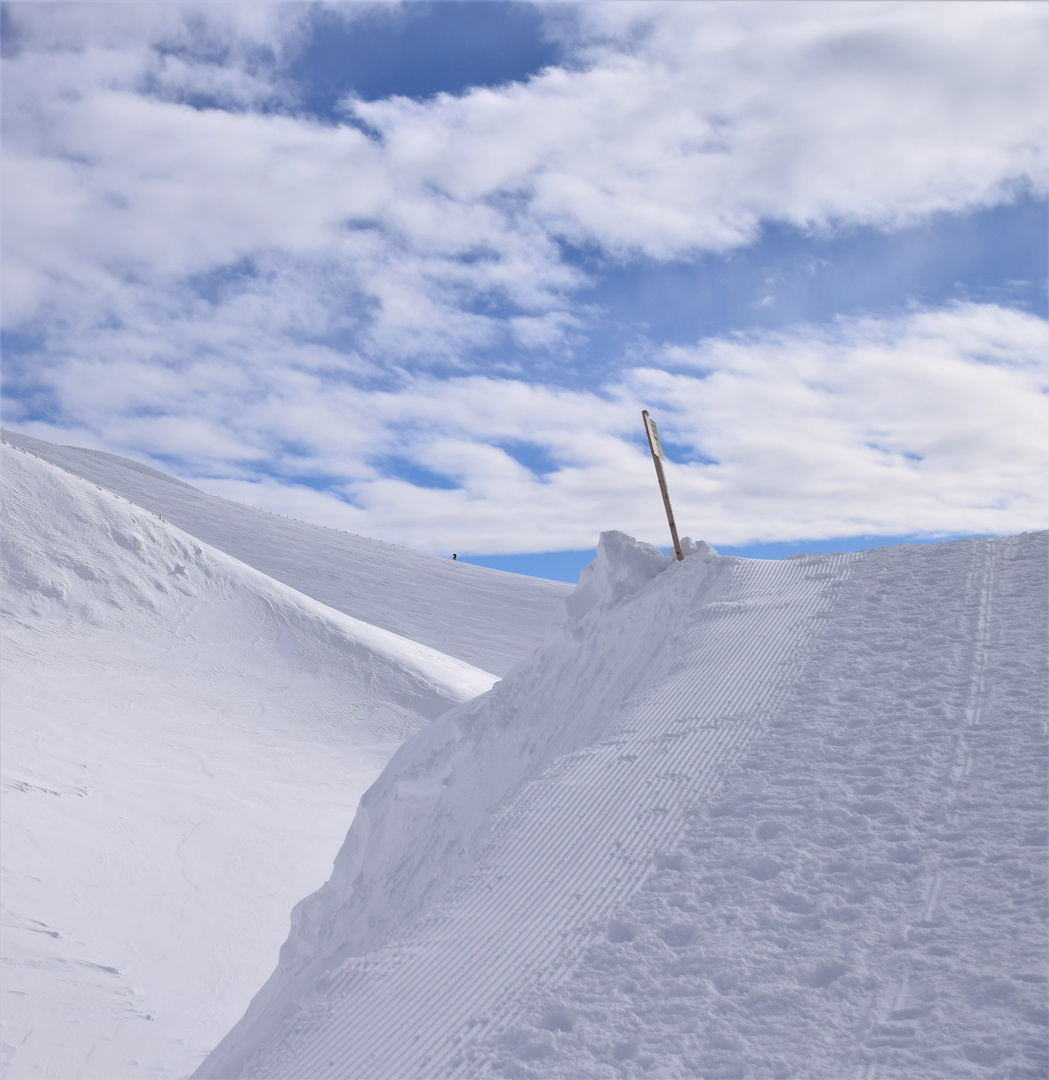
[737,818]
[579,841]
[569,849]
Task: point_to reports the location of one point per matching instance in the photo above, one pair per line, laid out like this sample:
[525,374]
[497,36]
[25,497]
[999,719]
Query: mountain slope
[184,743]
[486,617]
[741,818]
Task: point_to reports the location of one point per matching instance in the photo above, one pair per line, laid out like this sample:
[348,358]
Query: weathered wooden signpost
[657,457]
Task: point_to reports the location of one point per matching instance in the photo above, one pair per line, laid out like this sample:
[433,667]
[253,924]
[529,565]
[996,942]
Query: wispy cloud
[933,422]
[199,271]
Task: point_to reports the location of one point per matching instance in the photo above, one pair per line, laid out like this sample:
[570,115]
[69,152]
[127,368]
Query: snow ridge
[488,618]
[93,543]
[715,645]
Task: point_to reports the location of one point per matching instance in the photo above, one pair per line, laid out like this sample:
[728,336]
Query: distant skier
[454,556]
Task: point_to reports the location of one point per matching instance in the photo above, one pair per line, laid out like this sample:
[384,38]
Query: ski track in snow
[940,1010]
[816,848]
[866,896]
[525,917]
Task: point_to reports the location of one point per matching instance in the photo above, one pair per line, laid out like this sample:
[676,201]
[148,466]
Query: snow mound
[184,742]
[735,818]
[485,617]
[622,566]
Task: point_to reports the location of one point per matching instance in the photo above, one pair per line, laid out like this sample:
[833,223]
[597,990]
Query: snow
[184,743]
[721,818]
[488,618]
[735,818]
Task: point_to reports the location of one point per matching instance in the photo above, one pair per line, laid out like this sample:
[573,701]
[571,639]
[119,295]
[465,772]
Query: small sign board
[653,436]
[657,459]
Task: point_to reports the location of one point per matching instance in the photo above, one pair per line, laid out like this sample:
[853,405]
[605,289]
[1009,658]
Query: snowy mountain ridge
[488,618]
[47,568]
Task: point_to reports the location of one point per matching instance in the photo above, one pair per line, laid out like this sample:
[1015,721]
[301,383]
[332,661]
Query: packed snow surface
[486,617]
[184,743]
[736,818]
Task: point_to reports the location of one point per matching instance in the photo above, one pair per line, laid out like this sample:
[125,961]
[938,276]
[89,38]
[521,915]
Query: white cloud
[724,115]
[237,30]
[681,138]
[934,422]
[244,288]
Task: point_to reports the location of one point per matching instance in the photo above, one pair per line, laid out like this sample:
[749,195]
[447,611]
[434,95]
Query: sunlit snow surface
[184,743]
[737,818]
[485,617]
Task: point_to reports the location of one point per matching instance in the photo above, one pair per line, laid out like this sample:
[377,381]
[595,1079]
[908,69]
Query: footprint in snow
[678,935]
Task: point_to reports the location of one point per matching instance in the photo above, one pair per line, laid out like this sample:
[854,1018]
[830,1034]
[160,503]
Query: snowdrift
[736,818]
[486,617]
[185,740]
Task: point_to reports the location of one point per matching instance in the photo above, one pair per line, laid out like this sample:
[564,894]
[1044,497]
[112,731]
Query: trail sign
[657,459]
[653,436]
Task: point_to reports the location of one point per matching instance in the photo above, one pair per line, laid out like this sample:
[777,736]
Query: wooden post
[657,459]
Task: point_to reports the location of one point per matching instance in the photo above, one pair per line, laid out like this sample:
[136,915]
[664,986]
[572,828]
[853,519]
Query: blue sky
[418,51]
[414,269]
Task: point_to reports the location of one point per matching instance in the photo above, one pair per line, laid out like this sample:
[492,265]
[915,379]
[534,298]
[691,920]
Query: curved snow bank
[484,617]
[184,741]
[737,818]
[77,556]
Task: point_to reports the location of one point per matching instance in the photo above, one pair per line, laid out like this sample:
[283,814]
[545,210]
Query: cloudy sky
[413,270]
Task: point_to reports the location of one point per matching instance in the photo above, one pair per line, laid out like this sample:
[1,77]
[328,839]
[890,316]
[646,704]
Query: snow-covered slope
[184,743]
[737,818]
[486,617]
